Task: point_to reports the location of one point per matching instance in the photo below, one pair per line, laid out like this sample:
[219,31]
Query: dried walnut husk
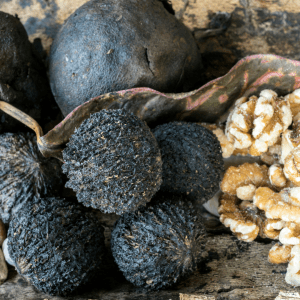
[24,173]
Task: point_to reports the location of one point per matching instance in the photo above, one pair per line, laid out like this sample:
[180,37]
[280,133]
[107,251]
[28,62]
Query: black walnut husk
[192,159]
[113,162]
[23,78]
[156,246]
[25,173]
[112,45]
[56,244]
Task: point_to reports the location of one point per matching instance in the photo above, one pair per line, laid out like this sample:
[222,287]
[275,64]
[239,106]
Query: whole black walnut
[156,246]
[25,172]
[113,162]
[56,244]
[23,78]
[192,159]
[112,45]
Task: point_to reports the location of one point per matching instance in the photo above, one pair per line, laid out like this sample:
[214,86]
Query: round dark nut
[192,159]
[112,45]
[56,244]
[156,246]
[113,162]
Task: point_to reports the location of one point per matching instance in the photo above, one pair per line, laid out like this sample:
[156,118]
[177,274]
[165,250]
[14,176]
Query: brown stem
[23,118]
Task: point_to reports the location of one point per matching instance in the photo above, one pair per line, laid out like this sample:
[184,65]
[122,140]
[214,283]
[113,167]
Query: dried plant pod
[24,173]
[244,179]
[292,166]
[257,123]
[280,254]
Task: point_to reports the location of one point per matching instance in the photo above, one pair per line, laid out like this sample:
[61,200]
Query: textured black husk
[192,159]
[23,78]
[156,246]
[56,244]
[113,162]
[25,173]
[112,45]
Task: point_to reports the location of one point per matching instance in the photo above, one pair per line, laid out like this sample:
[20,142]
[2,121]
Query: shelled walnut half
[257,124]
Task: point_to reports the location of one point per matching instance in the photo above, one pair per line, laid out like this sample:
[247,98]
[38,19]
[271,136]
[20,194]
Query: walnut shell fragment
[258,123]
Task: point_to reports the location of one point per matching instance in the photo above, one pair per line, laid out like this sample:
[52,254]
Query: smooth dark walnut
[156,246]
[113,162]
[112,45]
[192,159]
[56,244]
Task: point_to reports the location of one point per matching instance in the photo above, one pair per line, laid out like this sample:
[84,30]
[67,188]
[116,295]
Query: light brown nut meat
[271,229]
[244,180]
[292,166]
[258,123]
[290,234]
[294,101]
[280,254]
[273,155]
[240,122]
[272,116]
[293,270]
[276,176]
[276,206]
[240,221]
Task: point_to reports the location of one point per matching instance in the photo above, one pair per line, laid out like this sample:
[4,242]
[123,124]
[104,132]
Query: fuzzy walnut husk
[113,162]
[157,245]
[56,244]
[192,159]
[24,173]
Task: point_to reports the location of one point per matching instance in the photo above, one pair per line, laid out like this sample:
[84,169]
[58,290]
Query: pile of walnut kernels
[263,199]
